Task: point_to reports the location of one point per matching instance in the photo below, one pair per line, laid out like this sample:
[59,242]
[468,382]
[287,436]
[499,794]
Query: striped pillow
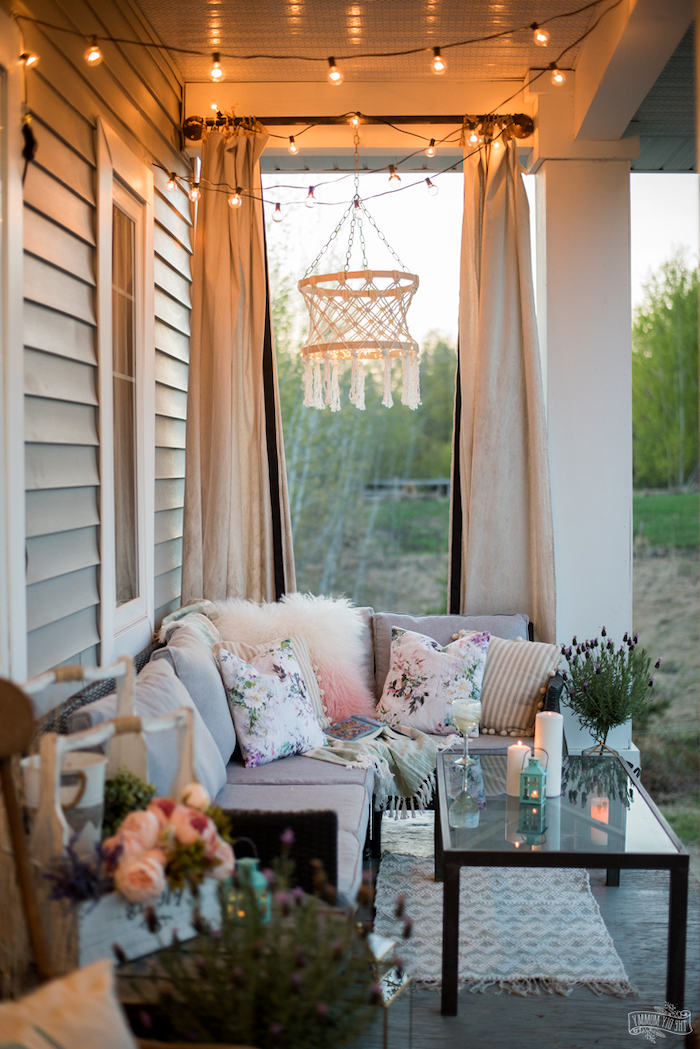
[515,674]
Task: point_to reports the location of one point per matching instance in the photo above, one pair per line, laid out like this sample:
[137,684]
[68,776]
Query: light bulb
[432,188]
[541,36]
[235,200]
[277,216]
[216,72]
[496,143]
[171,184]
[355,120]
[334,74]
[439,65]
[474,138]
[557,76]
[93,55]
[292,147]
[310,198]
[393,174]
[28,59]
[195,193]
[215,107]
[430,151]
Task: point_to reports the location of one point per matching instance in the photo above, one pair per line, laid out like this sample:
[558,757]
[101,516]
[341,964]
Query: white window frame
[13,596]
[127,629]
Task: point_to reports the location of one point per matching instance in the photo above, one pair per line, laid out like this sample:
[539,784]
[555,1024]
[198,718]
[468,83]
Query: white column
[584,308]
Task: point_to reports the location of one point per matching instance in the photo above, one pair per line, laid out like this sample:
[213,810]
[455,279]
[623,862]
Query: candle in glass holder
[517,758]
[549,738]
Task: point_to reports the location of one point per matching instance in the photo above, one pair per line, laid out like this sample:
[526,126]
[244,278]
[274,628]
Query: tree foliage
[665,379]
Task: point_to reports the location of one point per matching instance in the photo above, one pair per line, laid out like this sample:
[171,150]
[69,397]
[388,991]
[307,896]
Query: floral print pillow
[424,679]
[270,704]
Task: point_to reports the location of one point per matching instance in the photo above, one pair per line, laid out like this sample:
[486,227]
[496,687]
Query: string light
[28,59]
[310,198]
[430,151]
[439,64]
[496,143]
[292,147]
[334,74]
[393,174]
[235,200]
[474,138]
[216,72]
[93,55]
[277,216]
[541,36]
[432,188]
[195,193]
[215,107]
[171,184]
[355,120]
[557,76]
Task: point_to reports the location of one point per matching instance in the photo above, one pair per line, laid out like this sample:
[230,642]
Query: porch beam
[620,62]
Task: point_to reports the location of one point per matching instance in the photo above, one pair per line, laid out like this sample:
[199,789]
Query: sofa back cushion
[158,692]
[441,629]
[195,665]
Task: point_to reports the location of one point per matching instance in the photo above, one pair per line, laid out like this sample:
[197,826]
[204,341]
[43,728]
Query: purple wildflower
[603,632]
[651,683]
[287,836]
[657,664]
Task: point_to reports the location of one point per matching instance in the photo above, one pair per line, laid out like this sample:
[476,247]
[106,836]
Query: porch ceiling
[342,28]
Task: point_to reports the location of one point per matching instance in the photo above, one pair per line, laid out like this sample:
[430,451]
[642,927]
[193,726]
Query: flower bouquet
[153,857]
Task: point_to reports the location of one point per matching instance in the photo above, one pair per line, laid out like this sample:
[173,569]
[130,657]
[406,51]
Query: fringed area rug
[521,931]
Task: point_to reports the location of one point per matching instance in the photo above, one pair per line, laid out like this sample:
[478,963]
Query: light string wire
[248,193]
[305,58]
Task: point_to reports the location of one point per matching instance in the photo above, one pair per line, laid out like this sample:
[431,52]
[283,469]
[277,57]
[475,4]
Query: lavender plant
[605,685]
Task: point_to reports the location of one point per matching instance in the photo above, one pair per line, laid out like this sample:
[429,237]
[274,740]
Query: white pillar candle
[517,755]
[549,738]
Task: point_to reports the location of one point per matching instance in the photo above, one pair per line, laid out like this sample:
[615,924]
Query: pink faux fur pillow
[343,692]
[334,630]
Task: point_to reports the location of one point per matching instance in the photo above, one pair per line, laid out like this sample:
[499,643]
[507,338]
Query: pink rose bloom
[196,797]
[140,880]
[131,843]
[226,861]
[163,809]
[144,825]
[191,826]
[158,855]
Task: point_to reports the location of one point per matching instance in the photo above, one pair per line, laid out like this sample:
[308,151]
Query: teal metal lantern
[249,877]
[532,783]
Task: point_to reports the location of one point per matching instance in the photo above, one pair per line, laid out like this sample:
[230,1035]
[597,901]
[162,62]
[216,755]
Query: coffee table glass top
[601,810]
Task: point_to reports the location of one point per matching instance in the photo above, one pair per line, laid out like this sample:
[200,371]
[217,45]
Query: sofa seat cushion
[298,771]
[441,629]
[350,802]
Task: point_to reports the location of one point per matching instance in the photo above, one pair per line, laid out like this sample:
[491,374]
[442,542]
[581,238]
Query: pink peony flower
[226,861]
[158,855]
[144,825]
[132,844]
[163,809]
[140,880]
[190,825]
[196,797]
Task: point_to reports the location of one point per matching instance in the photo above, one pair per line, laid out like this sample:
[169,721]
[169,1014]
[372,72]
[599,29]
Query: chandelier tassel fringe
[357,383]
[387,399]
[308,383]
[334,389]
[318,386]
[410,395]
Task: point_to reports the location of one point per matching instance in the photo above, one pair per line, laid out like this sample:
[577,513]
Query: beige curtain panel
[506,557]
[229,530]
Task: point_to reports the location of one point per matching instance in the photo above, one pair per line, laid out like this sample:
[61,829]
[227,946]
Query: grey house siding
[138,93]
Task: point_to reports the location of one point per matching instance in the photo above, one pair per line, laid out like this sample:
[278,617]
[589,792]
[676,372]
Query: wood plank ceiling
[318,29]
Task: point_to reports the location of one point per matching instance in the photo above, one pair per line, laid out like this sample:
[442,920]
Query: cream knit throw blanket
[404,767]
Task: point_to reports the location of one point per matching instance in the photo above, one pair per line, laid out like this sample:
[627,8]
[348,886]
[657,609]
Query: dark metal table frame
[448,863]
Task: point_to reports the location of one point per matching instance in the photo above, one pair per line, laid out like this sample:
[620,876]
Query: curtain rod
[193,125]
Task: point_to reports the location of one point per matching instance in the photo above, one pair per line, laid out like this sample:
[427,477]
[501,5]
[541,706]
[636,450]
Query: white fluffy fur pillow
[331,627]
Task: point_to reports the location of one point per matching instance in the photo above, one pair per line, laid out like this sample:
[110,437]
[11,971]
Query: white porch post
[584,306]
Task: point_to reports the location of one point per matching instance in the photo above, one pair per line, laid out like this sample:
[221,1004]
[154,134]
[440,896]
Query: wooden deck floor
[636,915]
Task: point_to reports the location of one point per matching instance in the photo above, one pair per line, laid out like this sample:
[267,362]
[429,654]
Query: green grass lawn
[667,520]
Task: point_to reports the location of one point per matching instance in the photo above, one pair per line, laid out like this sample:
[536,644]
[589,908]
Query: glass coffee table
[603,819]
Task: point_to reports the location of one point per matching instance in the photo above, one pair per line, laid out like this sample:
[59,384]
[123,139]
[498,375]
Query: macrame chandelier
[358,315]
